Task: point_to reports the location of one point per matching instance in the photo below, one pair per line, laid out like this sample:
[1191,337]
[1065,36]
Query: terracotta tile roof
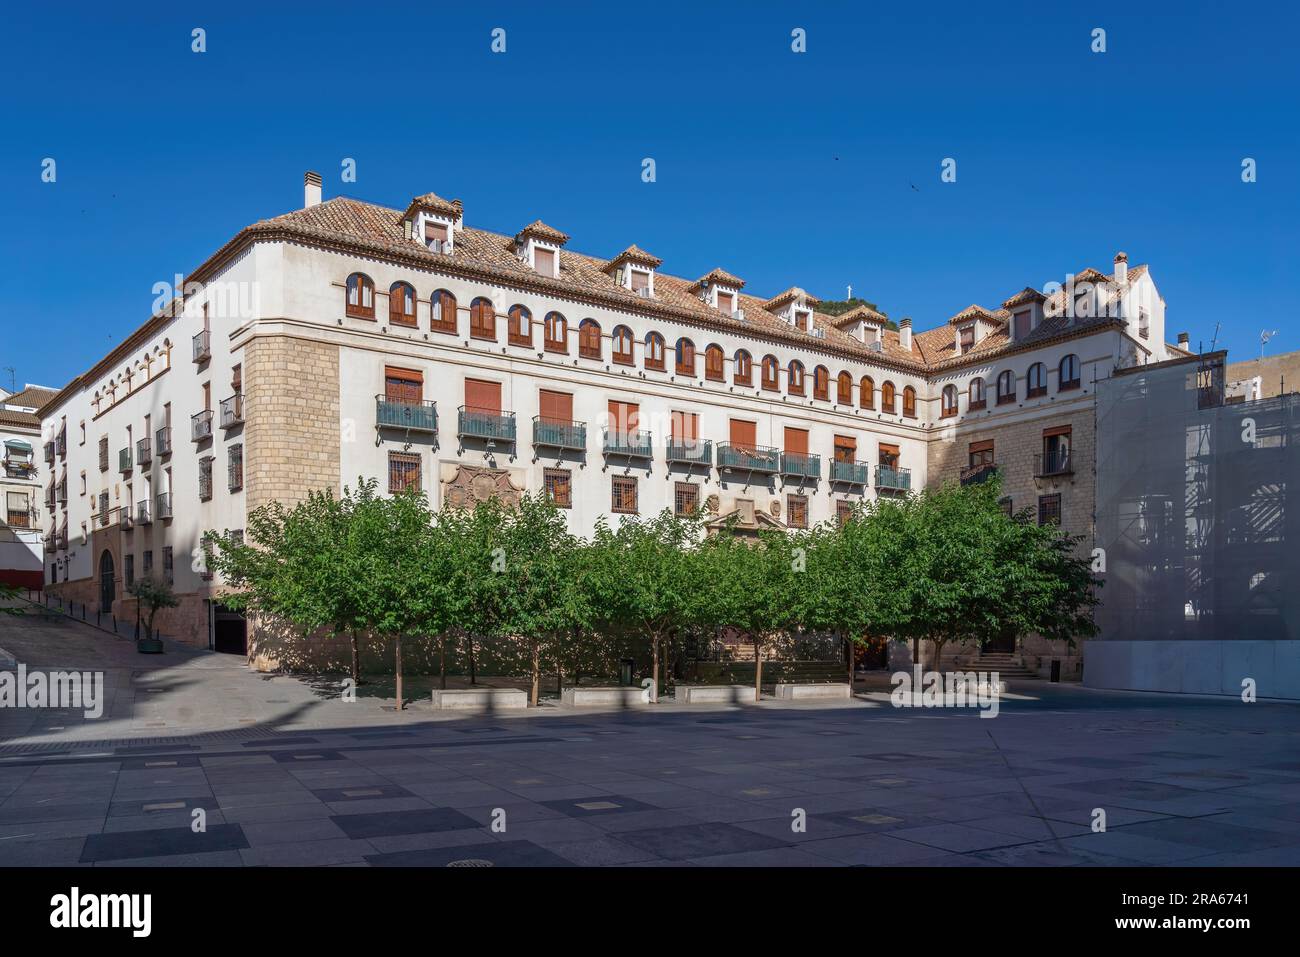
[436,204]
[793,294]
[856,314]
[720,276]
[634,254]
[540,230]
[32,397]
[22,420]
[975,312]
[1023,296]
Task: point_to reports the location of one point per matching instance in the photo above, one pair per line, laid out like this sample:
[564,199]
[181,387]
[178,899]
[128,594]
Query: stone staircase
[1008,666]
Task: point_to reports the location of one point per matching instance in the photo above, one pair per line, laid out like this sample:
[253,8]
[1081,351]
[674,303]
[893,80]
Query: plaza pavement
[289,774]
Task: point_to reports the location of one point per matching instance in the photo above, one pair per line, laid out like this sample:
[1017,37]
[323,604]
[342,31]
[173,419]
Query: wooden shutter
[726,303]
[436,231]
[403,385]
[624,417]
[685,427]
[846,448]
[483,396]
[744,434]
[640,280]
[556,406]
[1056,430]
[796,441]
[544,259]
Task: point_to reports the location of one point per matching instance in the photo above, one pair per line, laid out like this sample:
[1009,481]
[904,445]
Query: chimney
[905,333]
[1121,268]
[310,190]
[1184,341]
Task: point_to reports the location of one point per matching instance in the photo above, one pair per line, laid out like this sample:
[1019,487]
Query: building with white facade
[21,478]
[348,339]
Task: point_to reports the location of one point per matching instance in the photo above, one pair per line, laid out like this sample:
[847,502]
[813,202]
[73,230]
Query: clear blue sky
[818,169]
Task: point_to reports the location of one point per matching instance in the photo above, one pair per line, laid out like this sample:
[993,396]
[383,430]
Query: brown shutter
[624,417]
[888,449]
[556,406]
[846,448]
[544,259]
[796,441]
[744,434]
[1056,430]
[685,426]
[403,385]
[483,396]
[985,446]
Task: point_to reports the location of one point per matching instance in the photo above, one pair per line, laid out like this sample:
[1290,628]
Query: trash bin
[1056,669]
[625,667]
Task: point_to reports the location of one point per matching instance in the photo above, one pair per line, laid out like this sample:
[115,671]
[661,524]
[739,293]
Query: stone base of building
[1196,667]
[187,623]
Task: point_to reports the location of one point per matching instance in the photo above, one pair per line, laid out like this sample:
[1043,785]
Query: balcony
[978,473]
[203,346]
[144,452]
[850,473]
[61,445]
[201,425]
[412,416]
[18,518]
[163,507]
[163,441]
[893,479]
[232,411]
[799,466]
[632,445]
[559,434]
[486,424]
[49,453]
[142,515]
[1053,464]
[16,467]
[125,519]
[103,455]
[61,493]
[690,452]
[748,458]
[124,460]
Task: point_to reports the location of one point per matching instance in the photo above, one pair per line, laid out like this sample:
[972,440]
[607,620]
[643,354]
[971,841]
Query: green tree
[151,594]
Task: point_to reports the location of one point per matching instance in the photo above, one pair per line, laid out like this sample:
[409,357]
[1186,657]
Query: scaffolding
[1192,510]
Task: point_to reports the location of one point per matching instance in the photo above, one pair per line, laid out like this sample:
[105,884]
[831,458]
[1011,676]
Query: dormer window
[538,245]
[1022,324]
[437,236]
[802,319]
[726,302]
[721,290]
[544,261]
[639,282]
[634,269]
[433,221]
[966,339]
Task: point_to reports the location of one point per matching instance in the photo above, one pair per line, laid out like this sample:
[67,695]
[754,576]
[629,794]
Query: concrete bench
[620,697]
[712,694]
[801,692]
[480,699]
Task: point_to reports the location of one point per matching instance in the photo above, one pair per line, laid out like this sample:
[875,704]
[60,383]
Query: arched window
[744,371]
[361,296]
[401,304]
[713,362]
[685,357]
[887,397]
[654,351]
[771,378]
[1069,370]
[867,392]
[589,339]
[1006,387]
[949,404]
[975,395]
[844,389]
[482,318]
[822,383]
[555,333]
[794,378]
[1036,381]
[443,305]
[622,341]
[909,402]
[519,330]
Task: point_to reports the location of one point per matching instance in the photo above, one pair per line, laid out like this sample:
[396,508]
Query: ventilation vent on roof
[875,345]
[644,292]
[818,332]
[738,315]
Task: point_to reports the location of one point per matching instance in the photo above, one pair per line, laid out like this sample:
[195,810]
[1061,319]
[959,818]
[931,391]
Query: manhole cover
[470,862]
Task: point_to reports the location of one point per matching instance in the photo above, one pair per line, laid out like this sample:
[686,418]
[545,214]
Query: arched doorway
[107,587]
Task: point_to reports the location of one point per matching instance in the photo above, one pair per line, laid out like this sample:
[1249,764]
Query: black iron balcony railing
[163,441]
[1056,462]
[232,411]
[559,433]
[420,416]
[61,445]
[895,479]
[125,519]
[142,514]
[201,425]
[124,459]
[144,451]
[975,474]
[749,458]
[19,468]
[690,452]
[164,506]
[61,492]
[18,517]
[633,445]
[798,465]
[487,424]
[49,453]
[850,473]
[203,346]
[103,455]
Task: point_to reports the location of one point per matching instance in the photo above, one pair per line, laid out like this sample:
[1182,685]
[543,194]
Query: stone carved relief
[471,485]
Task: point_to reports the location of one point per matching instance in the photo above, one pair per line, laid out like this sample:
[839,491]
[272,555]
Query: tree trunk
[356,659]
[473,675]
[848,651]
[537,672]
[916,651]
[442,662]
[758,671]
[398,650]
[938,652]
[654,670]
